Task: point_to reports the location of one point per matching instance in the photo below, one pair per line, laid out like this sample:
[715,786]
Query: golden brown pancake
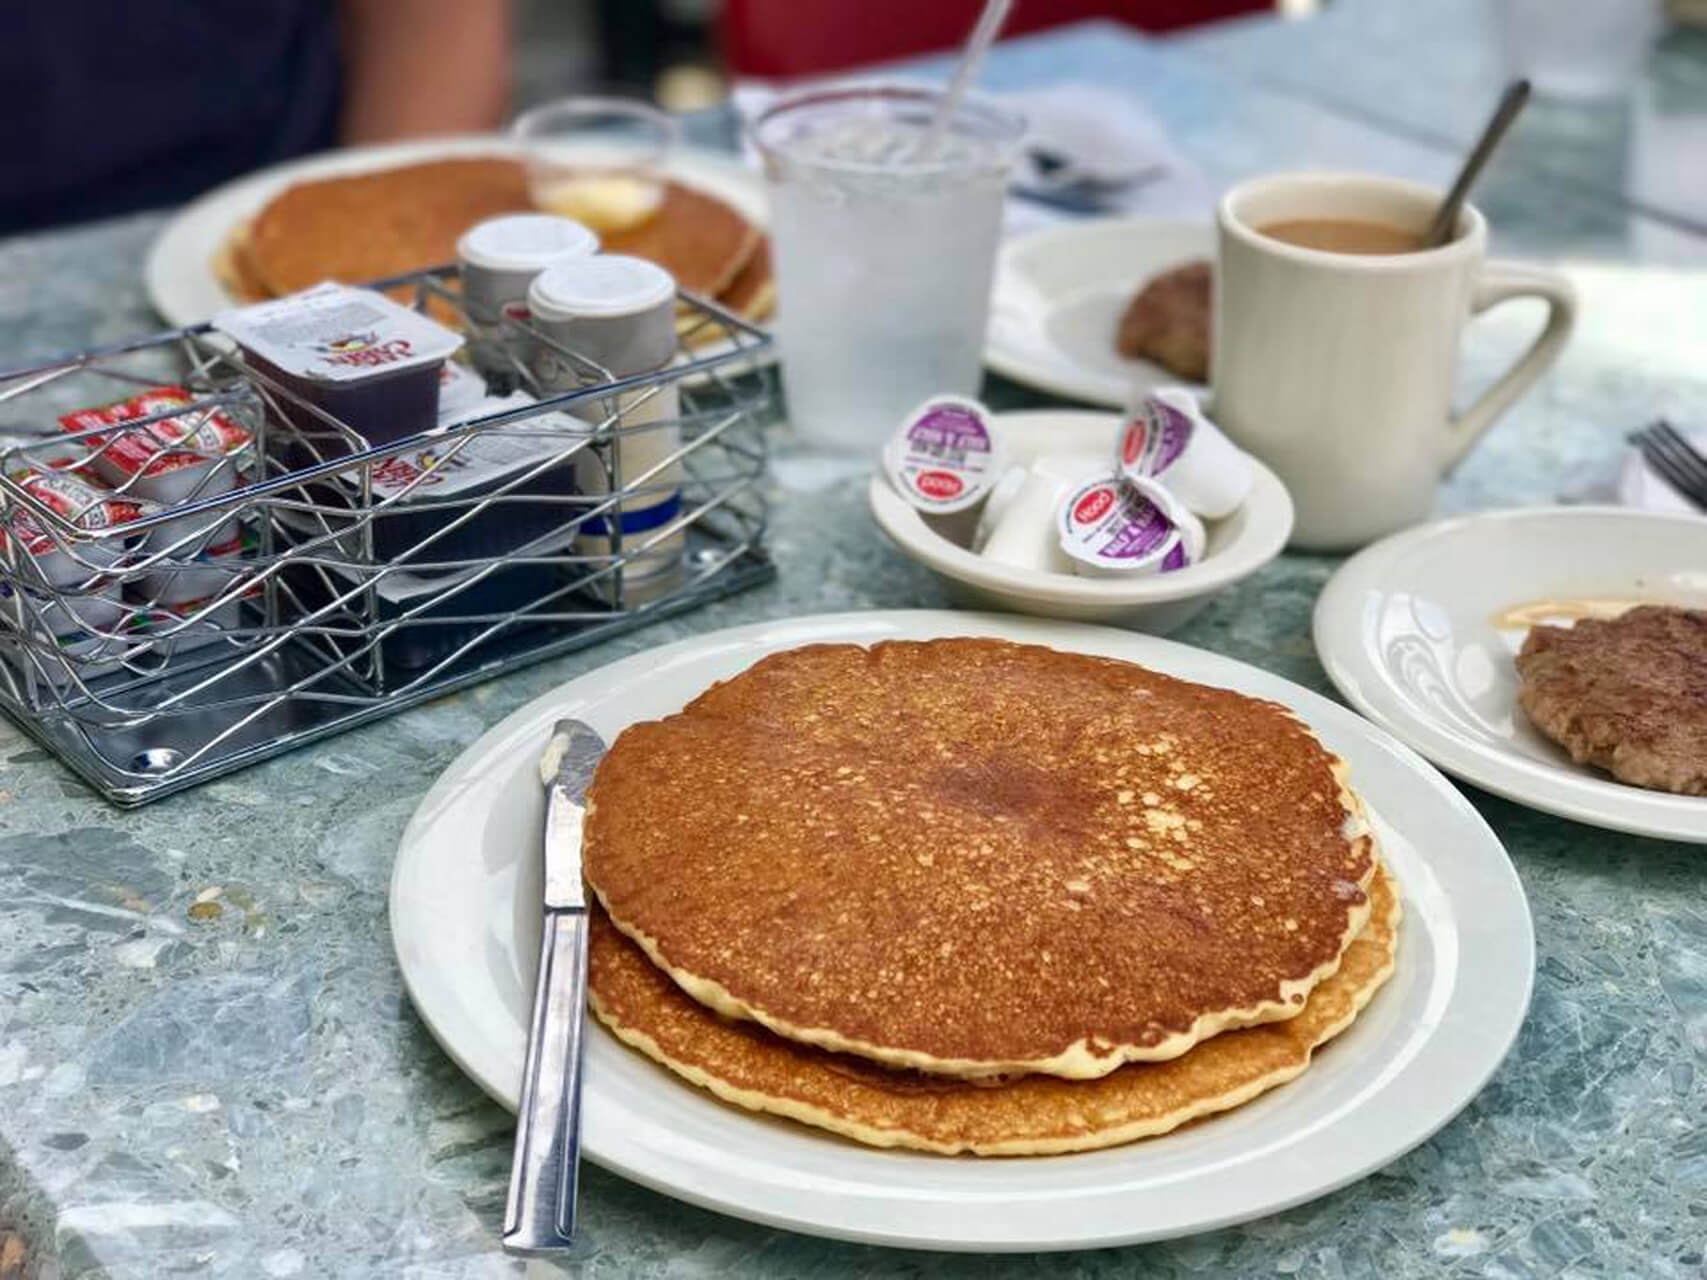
[234,269]
[698,238]
[742,1063]
[752,293]
[974,857]
[381,224]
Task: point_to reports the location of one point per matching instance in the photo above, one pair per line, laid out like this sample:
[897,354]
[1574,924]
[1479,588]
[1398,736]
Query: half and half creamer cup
[946,456]
[1022,529]
[1111,528]
[1193,537]
[1166,437]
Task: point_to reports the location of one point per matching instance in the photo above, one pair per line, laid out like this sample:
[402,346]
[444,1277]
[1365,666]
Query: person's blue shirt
[116,105]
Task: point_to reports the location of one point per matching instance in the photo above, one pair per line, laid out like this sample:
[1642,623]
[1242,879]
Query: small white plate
[1059,295]
[184,288]
[465,907]
[1410,632]
[1238,546]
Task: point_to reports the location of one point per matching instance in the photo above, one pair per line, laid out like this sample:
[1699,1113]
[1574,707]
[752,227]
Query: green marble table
[246,1092]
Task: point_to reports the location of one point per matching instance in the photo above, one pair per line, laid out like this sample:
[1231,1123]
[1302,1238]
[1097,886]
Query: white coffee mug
[1337,369]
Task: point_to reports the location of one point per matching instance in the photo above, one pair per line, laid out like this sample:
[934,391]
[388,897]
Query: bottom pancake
[743,1063]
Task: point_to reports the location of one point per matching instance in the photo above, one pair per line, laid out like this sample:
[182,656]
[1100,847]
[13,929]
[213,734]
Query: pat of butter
[552,760]
[608,202]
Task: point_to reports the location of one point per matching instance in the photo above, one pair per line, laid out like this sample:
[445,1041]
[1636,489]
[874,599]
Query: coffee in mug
[1344,235]
[1335,365]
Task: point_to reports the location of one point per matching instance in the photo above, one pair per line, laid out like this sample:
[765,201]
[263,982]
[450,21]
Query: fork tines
[1679,463]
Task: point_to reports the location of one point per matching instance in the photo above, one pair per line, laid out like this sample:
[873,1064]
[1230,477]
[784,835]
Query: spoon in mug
[1446,217]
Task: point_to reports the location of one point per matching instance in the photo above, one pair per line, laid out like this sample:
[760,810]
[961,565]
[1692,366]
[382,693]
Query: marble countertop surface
[208,1065]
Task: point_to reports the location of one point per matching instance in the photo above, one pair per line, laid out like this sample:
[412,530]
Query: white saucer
[1408,631]
[1058,298]
[465,907]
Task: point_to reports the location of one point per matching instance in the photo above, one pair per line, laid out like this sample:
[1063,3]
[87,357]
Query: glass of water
[884,246]
[1579,49]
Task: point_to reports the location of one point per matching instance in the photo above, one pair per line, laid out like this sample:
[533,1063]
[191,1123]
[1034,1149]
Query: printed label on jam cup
[334,333]
[1153,438]
[80,502]
[83,504]
[1107,524]
[945,456]
[184,440]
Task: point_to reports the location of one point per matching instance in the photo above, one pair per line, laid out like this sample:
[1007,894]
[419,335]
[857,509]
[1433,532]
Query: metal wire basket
[353,581]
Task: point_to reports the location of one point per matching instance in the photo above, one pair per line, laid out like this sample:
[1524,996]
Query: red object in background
[787,38]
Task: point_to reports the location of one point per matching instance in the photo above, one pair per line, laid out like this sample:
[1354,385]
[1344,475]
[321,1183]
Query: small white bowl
[1238,546]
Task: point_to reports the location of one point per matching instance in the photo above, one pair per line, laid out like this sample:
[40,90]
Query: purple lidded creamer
[1109,526]
[1166,437]
[1153,438]
[946,456]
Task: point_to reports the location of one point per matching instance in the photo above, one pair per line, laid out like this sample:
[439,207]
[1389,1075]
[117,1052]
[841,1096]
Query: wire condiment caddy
[308,581]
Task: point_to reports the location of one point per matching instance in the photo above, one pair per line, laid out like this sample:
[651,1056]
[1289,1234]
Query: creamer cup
[1022,532]
[1194,538]
[1108,527]
[1005,491]
[1166,437]
[946,455]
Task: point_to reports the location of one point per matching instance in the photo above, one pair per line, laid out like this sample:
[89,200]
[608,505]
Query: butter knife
[539,1216]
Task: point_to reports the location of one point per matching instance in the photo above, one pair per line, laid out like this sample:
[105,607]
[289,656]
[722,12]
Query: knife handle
[540,1214]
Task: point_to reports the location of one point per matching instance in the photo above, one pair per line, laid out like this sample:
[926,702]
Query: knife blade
[539,1216]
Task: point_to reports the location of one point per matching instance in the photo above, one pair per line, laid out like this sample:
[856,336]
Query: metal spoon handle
[1446,217]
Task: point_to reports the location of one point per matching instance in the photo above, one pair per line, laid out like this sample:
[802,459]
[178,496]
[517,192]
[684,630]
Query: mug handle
[1498,282]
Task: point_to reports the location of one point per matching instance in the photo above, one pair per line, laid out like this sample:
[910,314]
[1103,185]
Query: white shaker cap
[525,242]
[618,312]
[607,286]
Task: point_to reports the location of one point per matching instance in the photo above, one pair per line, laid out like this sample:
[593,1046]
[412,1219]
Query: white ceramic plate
[1058,298]
[1238,546]
[465,912]
[1409,630]
[181,282]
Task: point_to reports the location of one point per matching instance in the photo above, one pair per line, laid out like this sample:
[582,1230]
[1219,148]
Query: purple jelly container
[369,362]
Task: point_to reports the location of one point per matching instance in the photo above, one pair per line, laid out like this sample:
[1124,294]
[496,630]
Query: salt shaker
[498,259]
[620,313]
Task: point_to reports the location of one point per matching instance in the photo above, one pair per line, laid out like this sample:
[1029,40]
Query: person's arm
[414,67]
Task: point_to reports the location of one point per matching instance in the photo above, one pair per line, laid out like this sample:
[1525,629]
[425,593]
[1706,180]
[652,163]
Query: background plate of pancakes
[465,909]
[1426,649]
[370,212]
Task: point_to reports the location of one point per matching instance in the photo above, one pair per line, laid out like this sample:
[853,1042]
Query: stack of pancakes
[374,225]
[971,896]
